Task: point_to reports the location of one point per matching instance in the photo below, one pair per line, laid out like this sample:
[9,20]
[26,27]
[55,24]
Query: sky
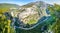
[23,2]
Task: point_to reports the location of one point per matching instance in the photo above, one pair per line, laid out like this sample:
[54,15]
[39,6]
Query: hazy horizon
[23,2]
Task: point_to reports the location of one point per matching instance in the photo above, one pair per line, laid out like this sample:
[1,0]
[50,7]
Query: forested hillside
[55,12]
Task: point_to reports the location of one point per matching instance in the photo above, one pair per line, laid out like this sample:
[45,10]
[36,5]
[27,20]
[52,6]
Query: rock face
[29,16]
[31,13]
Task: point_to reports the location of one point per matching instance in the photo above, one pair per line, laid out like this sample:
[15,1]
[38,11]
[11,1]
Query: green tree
[5,24]
[55,12]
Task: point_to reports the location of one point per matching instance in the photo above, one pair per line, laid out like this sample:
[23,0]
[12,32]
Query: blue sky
[22,2]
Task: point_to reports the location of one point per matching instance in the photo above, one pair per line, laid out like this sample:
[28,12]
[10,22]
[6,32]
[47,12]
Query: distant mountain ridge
[8,5]
[26,5]
[37,3]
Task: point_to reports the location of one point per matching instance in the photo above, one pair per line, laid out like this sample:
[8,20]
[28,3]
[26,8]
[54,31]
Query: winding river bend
[40,21]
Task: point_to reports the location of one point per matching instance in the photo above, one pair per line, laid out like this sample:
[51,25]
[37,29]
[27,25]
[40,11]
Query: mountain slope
[32,12]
